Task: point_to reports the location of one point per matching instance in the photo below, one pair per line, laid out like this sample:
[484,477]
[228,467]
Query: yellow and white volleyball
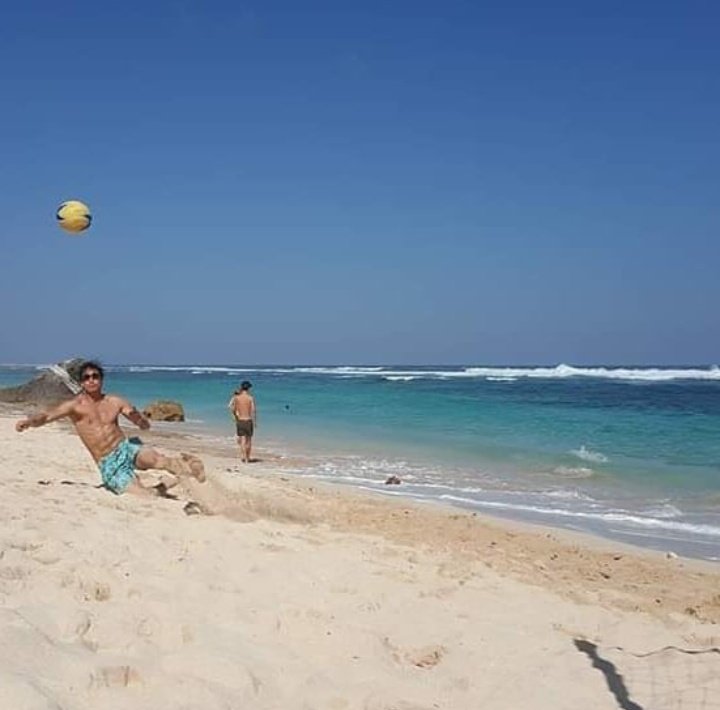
[74,216]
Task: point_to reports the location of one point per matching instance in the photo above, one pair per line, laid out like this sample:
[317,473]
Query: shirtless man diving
[95,416]
[242,407]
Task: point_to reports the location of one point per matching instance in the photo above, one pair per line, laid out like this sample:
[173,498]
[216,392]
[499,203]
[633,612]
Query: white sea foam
[627,518]
[193,369]
[400,378]
[24,366]
[587,455]
[337,478]
[653,374]
[565,494]
[574,471]
[493,374]
[339,370]
[663,510]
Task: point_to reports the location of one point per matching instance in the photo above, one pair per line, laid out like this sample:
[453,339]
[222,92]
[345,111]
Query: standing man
[242,406]
[95,416]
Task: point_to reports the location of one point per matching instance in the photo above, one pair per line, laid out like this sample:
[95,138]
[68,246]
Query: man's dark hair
[245,385]
[91,365]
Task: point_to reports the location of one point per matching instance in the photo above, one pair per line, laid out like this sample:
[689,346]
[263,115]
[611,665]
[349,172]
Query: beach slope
[298,596]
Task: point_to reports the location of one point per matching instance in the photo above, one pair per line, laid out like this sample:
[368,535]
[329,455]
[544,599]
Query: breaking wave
[493,374]
[586,454]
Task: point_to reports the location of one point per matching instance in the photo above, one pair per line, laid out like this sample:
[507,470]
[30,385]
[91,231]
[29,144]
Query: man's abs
[100,439]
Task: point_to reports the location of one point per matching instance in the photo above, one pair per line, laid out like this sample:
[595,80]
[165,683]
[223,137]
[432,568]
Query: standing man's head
[91,376]
[245,386]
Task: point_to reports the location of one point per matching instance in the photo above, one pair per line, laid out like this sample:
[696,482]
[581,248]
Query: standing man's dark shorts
[244,427]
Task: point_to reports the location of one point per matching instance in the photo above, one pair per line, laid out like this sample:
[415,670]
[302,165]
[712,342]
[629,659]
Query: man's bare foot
[168,480]
[197,469]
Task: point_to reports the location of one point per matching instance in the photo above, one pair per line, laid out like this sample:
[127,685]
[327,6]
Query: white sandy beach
[303,596]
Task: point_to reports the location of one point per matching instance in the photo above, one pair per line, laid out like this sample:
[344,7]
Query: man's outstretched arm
[49,415]
[134,415]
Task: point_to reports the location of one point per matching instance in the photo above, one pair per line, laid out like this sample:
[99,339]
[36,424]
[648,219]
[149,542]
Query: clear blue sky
[362,182]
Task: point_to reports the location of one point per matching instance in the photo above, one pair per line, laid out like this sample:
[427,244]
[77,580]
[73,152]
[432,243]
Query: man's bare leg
[158,487]
[248,448]
[137,488]
[196,466]
[183,466]
[244,449]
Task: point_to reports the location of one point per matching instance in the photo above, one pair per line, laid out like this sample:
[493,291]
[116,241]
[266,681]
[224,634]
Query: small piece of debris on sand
[192,508]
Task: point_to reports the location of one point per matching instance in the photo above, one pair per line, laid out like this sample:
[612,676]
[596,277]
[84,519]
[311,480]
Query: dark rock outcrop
[53,385]
[165,411]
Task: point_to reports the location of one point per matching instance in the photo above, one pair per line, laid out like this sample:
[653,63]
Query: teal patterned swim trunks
[118,467]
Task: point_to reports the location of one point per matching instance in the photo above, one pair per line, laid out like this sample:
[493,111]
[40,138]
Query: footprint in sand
[425,657]
[114,677]
[48,553]
[95,591]
[438,593]
[272,547]
[370,607]
[14,574]
[24,545]
[80,633]
[46,557]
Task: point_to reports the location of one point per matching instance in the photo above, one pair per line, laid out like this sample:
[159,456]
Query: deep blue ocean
[628,453]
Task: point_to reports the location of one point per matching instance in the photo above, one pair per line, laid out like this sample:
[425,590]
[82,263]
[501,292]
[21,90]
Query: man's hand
[136,418]
[33,421]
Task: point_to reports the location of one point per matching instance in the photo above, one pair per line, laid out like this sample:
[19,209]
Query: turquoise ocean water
[628,453]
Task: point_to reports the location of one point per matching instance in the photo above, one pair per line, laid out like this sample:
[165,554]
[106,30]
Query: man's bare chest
[100,414]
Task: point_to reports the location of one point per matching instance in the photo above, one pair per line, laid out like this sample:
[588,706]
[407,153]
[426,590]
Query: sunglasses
[91,376]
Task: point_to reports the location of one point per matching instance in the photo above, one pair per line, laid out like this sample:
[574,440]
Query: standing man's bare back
[95,416]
